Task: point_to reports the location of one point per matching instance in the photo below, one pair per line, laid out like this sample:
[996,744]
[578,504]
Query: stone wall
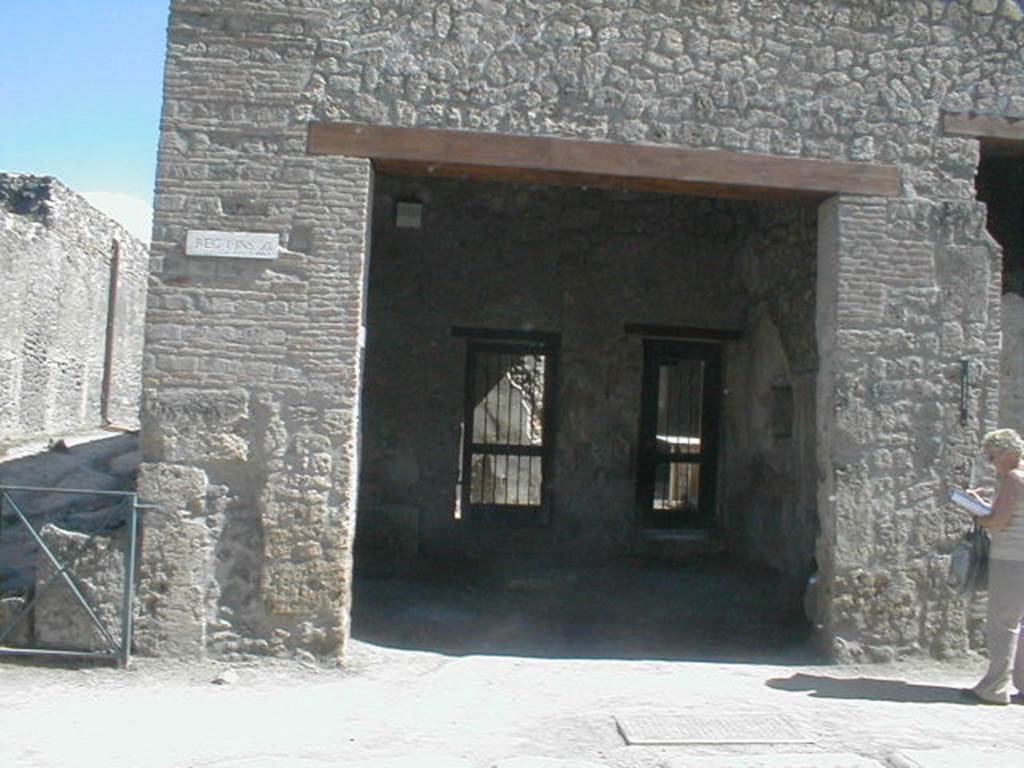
[770,506]
[1011,372]
[251,371]
[55,265]
[265,357]
[906,290]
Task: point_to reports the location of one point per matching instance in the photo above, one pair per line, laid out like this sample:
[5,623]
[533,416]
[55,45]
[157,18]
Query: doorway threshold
[675,534]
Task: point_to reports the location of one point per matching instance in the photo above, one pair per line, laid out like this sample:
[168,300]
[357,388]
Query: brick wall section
[251,369]
[55,264]
[860,81]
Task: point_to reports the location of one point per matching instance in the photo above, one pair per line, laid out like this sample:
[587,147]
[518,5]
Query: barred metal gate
[40,616]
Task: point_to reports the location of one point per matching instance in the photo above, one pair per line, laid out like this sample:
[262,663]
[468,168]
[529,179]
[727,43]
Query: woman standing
[1004,639]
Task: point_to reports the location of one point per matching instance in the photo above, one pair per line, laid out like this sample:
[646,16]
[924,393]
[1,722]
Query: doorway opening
[1000,185]
[677,472]
[538,359]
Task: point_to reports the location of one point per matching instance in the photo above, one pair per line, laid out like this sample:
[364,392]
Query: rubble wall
[55,265]
[252,371]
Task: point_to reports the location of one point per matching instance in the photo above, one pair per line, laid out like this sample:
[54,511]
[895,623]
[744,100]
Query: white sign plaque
[231,245]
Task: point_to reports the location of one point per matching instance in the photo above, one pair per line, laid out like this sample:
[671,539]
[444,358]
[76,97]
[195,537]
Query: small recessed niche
[408,214]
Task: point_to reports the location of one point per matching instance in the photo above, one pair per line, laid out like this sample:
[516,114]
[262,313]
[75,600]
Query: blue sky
[80,89]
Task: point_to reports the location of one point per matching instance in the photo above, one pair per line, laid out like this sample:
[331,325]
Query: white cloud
[132,213]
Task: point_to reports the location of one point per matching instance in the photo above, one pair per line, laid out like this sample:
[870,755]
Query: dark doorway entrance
[678,457]
[516,342]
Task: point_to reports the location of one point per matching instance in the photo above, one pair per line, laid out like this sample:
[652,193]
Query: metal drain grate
[729,729]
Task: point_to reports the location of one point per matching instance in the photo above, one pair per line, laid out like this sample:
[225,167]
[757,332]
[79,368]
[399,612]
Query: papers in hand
[970,503]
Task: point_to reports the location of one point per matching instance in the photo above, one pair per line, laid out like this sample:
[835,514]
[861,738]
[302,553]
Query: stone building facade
[72,314]
[784,189]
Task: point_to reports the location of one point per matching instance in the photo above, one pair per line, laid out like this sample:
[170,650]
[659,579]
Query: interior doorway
[678,447]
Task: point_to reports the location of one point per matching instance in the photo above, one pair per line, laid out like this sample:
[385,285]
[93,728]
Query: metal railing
[123,511]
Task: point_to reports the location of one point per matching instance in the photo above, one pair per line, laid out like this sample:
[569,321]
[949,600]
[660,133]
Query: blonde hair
[1003,441]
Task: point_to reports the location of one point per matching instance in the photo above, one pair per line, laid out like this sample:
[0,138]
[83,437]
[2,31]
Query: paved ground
[411,708]
[529,671]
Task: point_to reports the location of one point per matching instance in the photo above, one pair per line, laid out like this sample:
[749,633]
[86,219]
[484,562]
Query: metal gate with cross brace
[109,514]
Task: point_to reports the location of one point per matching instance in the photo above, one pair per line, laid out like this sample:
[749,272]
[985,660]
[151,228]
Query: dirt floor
[699,608]
[541,683]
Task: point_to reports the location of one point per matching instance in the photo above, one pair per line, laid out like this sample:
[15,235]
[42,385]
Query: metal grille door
[506,433]
[678,440]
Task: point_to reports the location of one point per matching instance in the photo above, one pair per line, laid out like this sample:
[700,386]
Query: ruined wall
[55,266]
[770,505]
[264,359]
[513,257]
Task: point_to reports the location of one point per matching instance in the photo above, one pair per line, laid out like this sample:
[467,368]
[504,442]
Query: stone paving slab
[698,729]
[404,761]
[954,757]
[544,762]
[777,760]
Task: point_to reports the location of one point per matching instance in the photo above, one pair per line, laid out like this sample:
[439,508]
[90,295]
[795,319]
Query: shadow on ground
[871,689]
[709,608]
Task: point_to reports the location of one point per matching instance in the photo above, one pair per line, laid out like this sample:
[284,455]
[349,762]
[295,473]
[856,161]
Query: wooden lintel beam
[585,180]
[629,165]
[983,126]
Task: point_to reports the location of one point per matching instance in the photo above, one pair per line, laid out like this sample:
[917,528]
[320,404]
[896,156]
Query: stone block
[173,487]
[188,425]
[19,634]
[96,566]
[175,558]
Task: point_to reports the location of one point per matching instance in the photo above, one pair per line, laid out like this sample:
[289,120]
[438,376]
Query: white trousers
[1003,634]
